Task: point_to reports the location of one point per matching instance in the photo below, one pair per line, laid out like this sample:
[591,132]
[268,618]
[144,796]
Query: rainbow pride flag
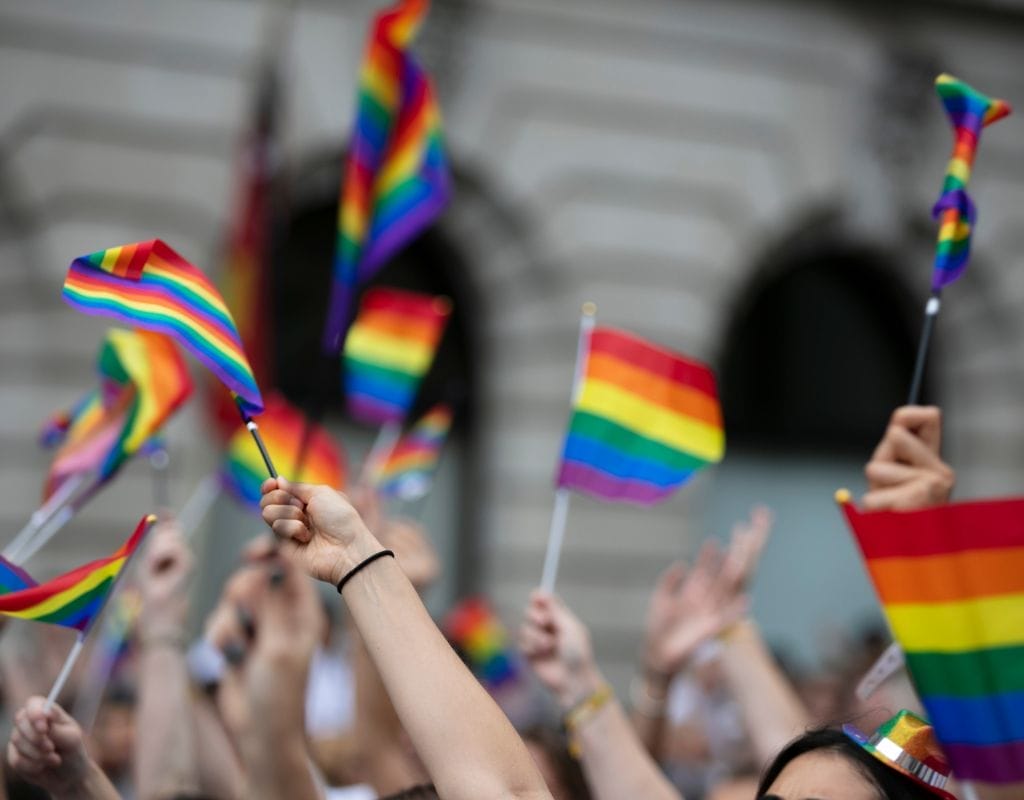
[13,578]
[409,469]
[951,583]
[282,426]
[143,381]
[645,420]
[969,111]
[389,349]
[76,598]
[477,633]
[149,285]
[396,178]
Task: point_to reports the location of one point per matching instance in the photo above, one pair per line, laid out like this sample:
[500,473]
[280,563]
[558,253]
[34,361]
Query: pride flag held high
[969,111]
[396,179]
[645,420]
[76,598]
[478,634]
[148,285]
[389,349]
[409,468]
[143,381]
[951,583]
[282,426]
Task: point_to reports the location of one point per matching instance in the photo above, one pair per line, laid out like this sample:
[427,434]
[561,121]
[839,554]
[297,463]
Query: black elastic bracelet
[365,562]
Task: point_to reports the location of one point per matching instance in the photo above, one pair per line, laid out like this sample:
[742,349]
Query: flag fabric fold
[396,179]
[969,111]
[143,382]
[389,350]
[148,285]
[951,583]
[76,598]
[408,471]
[644,421]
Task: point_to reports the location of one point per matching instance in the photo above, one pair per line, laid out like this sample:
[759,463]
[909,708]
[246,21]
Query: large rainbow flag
[951,583]
[645,420]
[76,598]
[149,285]
[408,470]
[389,349]
[143,381]
[282,425]
[969,111]
[396,179]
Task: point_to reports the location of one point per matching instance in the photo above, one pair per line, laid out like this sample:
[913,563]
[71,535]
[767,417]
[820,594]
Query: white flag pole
[560,512]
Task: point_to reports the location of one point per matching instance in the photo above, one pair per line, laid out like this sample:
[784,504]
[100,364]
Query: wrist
[84,781]
[351,554]
[581,684]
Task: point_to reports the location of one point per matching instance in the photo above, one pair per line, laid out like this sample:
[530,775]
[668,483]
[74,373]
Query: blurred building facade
[668,160]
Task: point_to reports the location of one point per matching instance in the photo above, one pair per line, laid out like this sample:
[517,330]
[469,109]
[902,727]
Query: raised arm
[468,746]
[47,749]
[615,763]
[906,471]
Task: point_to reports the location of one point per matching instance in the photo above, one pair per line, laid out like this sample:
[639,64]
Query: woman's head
[828,765]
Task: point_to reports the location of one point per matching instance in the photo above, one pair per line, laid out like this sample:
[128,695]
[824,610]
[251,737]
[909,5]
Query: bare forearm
[94,785]
[468,746]
[165,758]
[278,767]
[649,696]
[220,773]
[771,708]
[615,761]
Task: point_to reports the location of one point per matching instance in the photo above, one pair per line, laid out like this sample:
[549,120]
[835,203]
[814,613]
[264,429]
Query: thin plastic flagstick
[968,791]
[254,429]
[560,513]
[198,505]
[43,514]
[884,668]
[931,311]
[385,442]
[56,523]
[65,671]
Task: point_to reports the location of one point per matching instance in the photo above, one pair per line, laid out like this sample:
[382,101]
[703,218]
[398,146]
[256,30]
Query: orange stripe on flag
[949,578]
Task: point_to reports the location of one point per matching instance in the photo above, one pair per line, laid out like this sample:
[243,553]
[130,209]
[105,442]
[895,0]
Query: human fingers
[925,422]
[279,497]
[910,449]
[889,473]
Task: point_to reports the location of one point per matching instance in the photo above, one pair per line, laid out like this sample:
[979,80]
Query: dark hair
[565,766]
[424,792]
[890,783]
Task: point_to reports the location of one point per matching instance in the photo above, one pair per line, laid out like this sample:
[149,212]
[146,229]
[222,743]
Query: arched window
[818,352]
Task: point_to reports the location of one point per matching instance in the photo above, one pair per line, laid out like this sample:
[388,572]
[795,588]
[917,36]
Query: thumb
[303,491]
[64,731]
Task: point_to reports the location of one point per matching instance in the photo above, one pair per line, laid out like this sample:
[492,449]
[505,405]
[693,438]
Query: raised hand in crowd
[557,646]
[468,747]
[691,606]
[268,623]
[47,749]
[906,471]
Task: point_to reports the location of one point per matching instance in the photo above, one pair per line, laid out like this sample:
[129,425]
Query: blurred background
[747,182]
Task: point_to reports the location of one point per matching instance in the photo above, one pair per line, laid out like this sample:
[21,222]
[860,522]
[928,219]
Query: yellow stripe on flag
[960,626]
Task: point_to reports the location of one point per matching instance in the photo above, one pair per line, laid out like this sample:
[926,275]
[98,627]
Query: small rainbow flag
[74,599]
[282,426]
[969,111]
[143,381]
[389,349]
[149,285]
[478,634]
[396,179]
[645,420]
[409,468]
[13,578]
[951,583]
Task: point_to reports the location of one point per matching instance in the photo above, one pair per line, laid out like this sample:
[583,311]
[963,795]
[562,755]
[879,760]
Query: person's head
[827,764]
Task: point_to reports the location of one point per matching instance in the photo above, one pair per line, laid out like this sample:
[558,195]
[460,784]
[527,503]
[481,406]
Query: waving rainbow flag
[74,599]
[951,583]
[148,285]
[282,426]
[396,179]
[478,634]
[389,349]
[143,381]
[409,469]
[645,420]
[969,111]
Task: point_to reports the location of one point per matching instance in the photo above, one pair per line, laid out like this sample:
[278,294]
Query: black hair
[890,783]
[568,769]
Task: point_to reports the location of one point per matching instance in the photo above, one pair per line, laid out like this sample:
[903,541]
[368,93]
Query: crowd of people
[711,712]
